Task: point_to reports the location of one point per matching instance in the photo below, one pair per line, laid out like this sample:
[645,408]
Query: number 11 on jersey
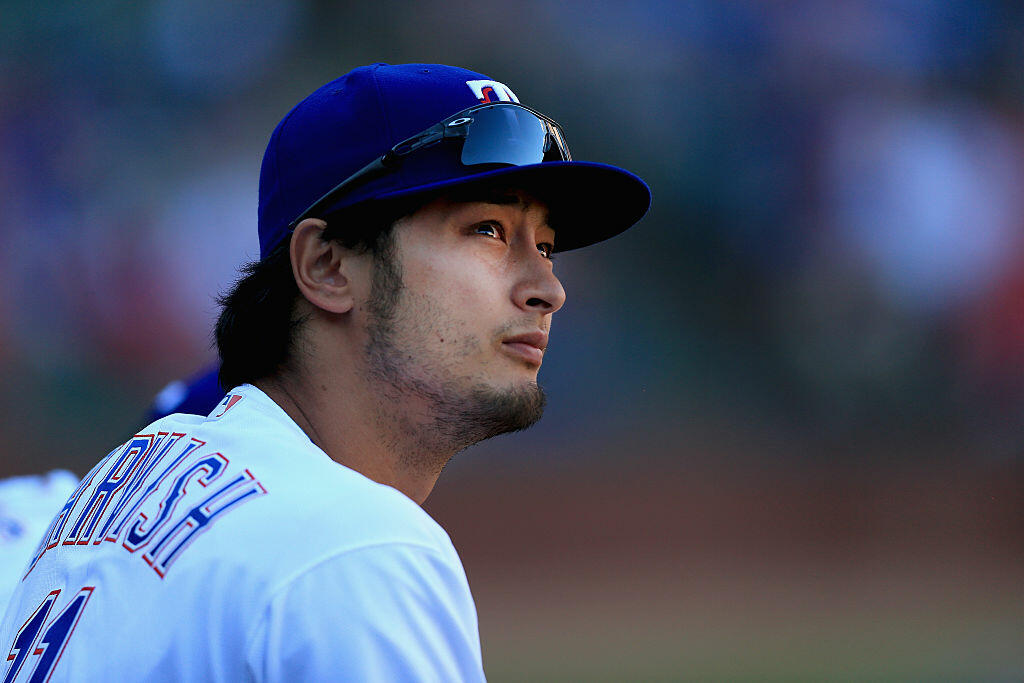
[51,645]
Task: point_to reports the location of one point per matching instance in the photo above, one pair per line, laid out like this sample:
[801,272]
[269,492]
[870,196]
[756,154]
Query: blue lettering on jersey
[119,499]
[198,519]
[52,536]
[131,456]
[152,486]
[208,470]
[152,458]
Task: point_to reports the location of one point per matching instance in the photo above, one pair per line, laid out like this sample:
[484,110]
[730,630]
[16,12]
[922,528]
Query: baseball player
[399,313]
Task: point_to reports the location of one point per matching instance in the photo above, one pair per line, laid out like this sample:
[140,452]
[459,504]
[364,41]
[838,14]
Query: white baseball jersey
[27,505]
[231,548]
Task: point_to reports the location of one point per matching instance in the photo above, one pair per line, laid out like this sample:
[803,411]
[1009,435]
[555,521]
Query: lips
[528,346]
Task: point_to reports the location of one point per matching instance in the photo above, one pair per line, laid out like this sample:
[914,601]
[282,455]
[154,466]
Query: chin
[489,411]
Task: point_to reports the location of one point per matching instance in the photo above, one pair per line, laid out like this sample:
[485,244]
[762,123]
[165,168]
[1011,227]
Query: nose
[539,290]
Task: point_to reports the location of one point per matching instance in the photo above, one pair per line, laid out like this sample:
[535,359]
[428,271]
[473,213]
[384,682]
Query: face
[460,313]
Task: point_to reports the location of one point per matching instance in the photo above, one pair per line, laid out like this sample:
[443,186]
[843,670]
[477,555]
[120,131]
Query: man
[399,313]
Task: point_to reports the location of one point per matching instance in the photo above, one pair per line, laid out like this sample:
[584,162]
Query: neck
[367,429]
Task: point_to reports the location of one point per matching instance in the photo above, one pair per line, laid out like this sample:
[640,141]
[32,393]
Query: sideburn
[386,283]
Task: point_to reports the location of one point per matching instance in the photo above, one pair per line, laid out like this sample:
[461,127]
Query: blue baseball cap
[361,117]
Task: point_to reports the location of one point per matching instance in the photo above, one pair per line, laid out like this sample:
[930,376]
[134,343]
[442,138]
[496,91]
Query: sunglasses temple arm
[366,173]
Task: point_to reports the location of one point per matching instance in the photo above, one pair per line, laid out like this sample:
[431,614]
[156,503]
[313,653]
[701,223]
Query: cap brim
[588,202]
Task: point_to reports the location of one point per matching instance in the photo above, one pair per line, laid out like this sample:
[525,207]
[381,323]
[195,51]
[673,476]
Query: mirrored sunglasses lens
[504,135]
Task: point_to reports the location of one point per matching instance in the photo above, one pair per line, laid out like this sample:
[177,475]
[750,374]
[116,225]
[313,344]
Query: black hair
[258,322]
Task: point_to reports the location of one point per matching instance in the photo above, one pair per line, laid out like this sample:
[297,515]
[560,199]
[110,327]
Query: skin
[393,390]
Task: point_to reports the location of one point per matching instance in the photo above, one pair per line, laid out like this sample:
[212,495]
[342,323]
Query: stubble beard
[461,413]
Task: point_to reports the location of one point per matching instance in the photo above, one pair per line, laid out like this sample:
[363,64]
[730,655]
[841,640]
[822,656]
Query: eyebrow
[499,197]
[505,199]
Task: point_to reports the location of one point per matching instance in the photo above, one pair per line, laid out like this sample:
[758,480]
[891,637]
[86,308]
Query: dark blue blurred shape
[196,395]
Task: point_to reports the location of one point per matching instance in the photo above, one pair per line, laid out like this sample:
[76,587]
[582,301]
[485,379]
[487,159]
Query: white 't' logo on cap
[492,91]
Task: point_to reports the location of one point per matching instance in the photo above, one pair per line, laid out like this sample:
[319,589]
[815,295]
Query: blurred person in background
[27,505]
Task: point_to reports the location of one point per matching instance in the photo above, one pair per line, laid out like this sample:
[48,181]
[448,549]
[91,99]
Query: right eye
[490,229]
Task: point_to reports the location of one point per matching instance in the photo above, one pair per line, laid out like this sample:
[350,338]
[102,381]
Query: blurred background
[786,411]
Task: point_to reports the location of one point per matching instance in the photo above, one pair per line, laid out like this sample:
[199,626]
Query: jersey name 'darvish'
[112,505]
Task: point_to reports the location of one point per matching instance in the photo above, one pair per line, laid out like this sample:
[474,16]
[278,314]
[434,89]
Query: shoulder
[405,610]
[324,510]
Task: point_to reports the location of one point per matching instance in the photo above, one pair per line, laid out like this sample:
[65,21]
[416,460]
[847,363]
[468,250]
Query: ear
[321,268]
